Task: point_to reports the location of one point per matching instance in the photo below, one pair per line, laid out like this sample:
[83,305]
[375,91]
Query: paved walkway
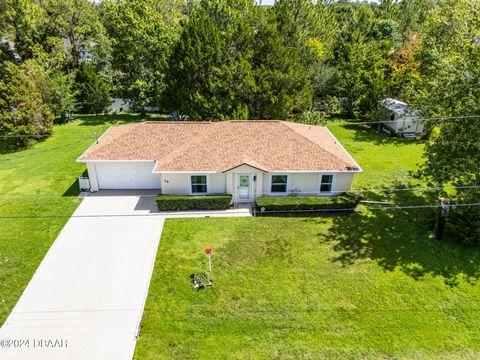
[87,296]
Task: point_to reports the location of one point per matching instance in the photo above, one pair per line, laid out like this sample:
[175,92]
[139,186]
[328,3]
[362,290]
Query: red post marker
[208,251]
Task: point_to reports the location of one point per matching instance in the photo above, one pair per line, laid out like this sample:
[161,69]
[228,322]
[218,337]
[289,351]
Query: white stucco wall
[133,175]
[304,182]
[175,184]
[343,181]
[92,175]
[217,183]
[179,184]
[308,183]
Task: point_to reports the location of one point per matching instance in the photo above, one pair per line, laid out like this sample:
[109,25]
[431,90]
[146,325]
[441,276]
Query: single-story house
[244,158]
[401,118]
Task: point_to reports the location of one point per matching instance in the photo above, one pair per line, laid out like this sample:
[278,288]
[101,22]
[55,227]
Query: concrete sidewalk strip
[86,299]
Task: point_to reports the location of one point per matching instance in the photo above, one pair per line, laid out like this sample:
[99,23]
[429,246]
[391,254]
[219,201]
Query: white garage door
[127,175]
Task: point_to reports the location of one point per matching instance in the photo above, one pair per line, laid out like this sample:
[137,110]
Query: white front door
[243,188]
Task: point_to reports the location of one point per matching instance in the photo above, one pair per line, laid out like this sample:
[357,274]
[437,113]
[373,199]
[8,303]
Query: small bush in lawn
[201,280]
[193,202]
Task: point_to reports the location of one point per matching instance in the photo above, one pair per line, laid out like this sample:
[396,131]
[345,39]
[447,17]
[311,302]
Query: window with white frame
[326,183]
[199,184]
[279,184]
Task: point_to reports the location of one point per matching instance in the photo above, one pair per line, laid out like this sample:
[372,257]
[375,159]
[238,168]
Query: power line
[341,123]
[413,189]
[208,214]
[26,136]
[372,208]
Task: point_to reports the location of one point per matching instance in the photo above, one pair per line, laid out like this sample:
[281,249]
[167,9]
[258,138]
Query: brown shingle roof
[271,145]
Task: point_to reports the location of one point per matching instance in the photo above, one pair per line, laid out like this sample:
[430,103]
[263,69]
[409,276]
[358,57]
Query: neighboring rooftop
[397,106]
[269,145]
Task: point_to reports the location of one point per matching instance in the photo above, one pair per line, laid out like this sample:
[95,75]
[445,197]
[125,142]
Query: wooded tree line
[224,59]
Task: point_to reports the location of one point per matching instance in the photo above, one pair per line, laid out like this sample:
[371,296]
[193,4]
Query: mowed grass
[371,285]
[40,181]
[363,286]
[386,160]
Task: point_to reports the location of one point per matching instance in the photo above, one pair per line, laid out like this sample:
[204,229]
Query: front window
[326,183]
[279,184]
[199,184]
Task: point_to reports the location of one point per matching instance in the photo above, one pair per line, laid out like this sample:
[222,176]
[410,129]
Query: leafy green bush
[312,118]
[289,203]
[193,202]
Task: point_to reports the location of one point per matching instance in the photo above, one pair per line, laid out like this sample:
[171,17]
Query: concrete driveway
[86,299]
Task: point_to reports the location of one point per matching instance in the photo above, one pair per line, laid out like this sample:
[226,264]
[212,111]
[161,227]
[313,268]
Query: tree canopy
[225,59]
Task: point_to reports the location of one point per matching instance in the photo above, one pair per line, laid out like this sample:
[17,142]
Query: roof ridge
[289,123]
[252,120]
[181,149]
[206,122]
[175,122]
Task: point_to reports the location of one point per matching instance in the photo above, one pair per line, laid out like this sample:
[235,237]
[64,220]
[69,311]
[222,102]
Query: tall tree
[362,78]
[78,23]
[93,93]
[450,58]
[56,87]
[22,22]
[24,117]
[282,82]
[210,73]
[306,26]
[142,33]
[404,70]
[310,29]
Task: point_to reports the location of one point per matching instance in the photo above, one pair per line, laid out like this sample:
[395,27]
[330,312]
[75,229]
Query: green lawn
[364,286]
[34,182]
[371,285]
[386,160]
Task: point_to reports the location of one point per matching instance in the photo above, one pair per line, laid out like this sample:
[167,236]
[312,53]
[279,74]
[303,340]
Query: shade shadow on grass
[93,120]
[367,133]
[74,188]
[401,239]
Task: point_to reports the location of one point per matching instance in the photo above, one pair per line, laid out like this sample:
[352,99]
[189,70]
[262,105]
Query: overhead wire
[212,213]
[338,123]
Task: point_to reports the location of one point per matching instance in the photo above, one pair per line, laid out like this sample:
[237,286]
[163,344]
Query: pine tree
[282,82]
[93,95]
[210,74]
